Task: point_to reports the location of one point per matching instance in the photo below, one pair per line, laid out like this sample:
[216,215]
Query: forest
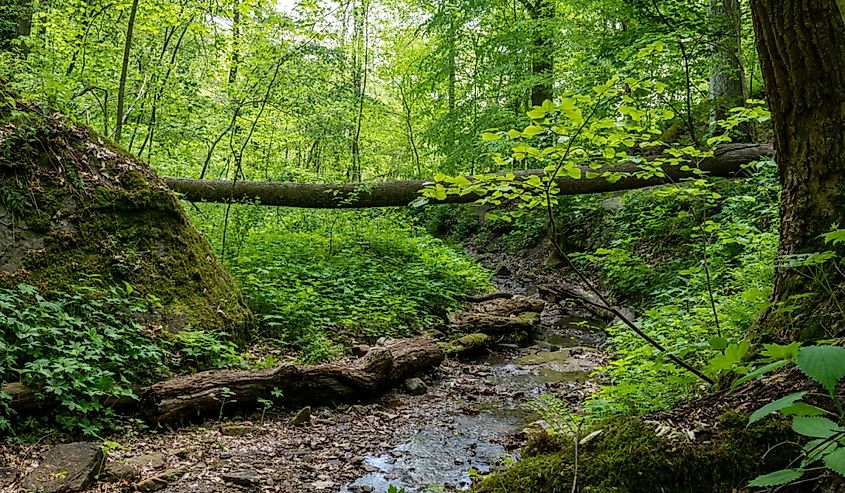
[406,246]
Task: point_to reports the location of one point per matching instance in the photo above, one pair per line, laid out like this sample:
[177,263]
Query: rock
[237,430]
[154,460]
[303,417]
[160,481]
[502,270]
[121,471]
[182,453]
[66,468]
[322,485]
[242,478]
[360,350]
[415,386]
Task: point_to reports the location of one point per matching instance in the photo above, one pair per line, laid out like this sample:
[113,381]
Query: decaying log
[485,297]
[203,393]
[193,395]
[484,323]
[727,162]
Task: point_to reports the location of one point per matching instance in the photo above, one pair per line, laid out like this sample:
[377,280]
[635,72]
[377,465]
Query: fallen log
[726,163]
[485,323]
[209,392]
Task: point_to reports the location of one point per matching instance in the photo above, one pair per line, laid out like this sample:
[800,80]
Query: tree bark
[802,52]
[202,393]
[542,12]
[726,163]
[121,88]
[727,77]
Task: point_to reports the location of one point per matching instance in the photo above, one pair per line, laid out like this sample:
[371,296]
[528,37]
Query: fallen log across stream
[727,162]
[207,392]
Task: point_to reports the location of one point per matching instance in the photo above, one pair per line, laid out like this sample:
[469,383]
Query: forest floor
[471,418]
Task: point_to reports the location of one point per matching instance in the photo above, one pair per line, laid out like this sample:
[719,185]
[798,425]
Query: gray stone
[415,386]
[237,430]
[242,478]
[121,471]
[303,417]
[160,481]
[66,468]
[360,350]
[154,460]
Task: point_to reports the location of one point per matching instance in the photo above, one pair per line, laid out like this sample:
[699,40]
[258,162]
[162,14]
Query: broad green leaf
[573,172]
[775,406]
[835,461]
[780,351]
[816,449]
[784,476]
[533,130]
[814,426]
[802,409]
[537,113]
[824,364]
[488,136]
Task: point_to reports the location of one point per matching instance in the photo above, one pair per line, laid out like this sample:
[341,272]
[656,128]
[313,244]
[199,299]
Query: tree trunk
[16,22]
[121,88]
[542,12]
[727,77]
[802,52]
[727,163]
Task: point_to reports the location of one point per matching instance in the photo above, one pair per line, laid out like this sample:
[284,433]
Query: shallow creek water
[480,432]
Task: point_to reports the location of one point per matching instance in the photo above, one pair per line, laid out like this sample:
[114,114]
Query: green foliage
[78,349]
[826,366]
[321,279]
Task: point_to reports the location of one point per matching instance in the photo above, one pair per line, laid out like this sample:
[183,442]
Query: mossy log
[198,394]
[726,163]
[485,323]
[469,343]
[203,393]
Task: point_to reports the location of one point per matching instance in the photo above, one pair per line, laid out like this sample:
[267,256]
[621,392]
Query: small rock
[120,471]
[321,485]
[182,453]
[159,482]
[360,350]
[236,430]
[242,478]
[153,460]
[66,468]
[303,417]
[415,386]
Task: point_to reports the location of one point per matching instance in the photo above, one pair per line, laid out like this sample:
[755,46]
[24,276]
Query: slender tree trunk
[727,76]
[359,79]
[406,105]
[124,68]
[542,12]
[235,61]
[802,51]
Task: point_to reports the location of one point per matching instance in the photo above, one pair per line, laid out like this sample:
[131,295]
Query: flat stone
[322,485]
[242,478]
[66,468]
[415,386]
[160,481]
[121,471]
[154,460]
[237,430]
[303,417]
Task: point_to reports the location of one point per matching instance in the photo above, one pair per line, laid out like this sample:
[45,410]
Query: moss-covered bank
[73,205]
[629,457]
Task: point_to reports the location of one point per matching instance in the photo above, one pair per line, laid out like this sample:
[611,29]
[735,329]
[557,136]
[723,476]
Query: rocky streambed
[469,417]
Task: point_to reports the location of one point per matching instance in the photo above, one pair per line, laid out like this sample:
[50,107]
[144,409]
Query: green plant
[79,349]
[825,429]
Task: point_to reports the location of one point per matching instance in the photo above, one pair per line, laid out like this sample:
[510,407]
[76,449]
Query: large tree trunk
[727,163]
[542,12]
[802,51]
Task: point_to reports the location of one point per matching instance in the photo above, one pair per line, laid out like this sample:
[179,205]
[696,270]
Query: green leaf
[802,409]
[775,406]
[533,130]
[537,113]
[784,476]
[780,351]
[824,364]
[488,136]
[574,172]
[835,461]
[815,426]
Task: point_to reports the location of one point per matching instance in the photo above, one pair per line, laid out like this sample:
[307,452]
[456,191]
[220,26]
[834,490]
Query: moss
[102,213]
[467,343]
[629,457]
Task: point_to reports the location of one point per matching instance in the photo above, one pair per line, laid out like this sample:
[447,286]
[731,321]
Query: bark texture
[727,163]
[802,52]
[202,393]
[727,77]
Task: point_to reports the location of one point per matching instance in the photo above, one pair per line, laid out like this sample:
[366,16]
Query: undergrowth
[319,280]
